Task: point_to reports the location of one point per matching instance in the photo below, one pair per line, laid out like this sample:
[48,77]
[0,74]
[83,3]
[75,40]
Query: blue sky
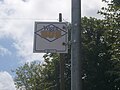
[17,19]
[9,60]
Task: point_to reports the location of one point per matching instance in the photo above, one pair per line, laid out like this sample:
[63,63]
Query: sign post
[62,64]
[52,37]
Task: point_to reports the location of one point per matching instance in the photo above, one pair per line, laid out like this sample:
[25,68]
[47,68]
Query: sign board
[50,37]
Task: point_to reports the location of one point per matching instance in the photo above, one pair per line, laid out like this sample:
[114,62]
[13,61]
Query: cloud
[4,51]
[90,8]
[18,17]
[6,81]
[18,22]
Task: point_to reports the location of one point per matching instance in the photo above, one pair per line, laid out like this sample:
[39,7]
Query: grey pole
[60,17]
[76,77]
[62,82]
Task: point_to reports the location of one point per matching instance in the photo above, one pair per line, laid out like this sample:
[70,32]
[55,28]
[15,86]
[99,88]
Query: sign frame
[52,46]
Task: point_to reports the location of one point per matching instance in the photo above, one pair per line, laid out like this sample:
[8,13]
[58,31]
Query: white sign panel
[50,37]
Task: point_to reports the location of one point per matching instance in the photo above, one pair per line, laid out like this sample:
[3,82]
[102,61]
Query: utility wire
[27,19]
[19,19]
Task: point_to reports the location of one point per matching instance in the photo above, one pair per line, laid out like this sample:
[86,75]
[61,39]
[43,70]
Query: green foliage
[101,49]
[51,71]
[96,58]
[29,76]
[112,24]
[37,76]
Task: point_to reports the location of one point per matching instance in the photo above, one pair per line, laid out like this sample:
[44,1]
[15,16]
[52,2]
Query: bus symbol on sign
[51,32]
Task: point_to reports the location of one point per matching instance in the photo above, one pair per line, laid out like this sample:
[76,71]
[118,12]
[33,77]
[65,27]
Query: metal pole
[62,85]
[60,17]
[76,77]
[62,82]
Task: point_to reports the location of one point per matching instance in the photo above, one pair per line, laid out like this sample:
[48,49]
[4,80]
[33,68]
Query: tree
[111,15]
[29,76]
[37,76]
[95,56]
[112,23]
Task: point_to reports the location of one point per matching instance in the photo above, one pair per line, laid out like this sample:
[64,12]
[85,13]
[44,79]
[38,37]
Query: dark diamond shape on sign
[51,32]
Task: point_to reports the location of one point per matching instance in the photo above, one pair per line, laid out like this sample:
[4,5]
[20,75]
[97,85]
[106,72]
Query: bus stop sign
[50,37]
